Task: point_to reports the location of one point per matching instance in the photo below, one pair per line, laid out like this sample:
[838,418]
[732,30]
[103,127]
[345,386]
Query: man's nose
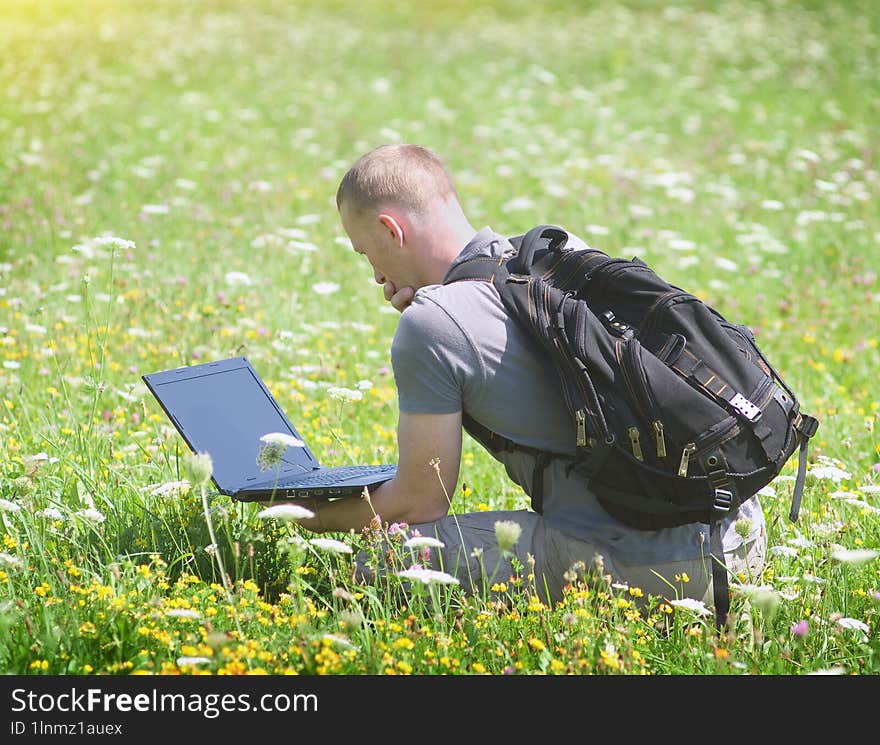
[379,277]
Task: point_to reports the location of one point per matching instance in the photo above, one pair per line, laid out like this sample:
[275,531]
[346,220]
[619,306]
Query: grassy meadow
[167,182]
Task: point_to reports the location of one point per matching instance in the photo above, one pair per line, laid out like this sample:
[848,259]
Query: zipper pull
[689,449]
[661,441]
[636,445]
[581,427]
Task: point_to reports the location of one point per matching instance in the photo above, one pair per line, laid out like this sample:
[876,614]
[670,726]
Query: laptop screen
[223,408]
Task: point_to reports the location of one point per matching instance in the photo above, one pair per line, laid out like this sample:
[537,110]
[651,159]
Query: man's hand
[401,298]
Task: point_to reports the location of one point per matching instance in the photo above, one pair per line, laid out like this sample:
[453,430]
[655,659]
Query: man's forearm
[388,500]
[348,513]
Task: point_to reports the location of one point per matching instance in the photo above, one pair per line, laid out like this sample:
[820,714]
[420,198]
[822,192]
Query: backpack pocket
[664,434]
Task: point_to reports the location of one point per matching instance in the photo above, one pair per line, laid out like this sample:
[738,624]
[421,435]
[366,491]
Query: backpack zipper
[634,441]
[690,449]
[686,453]
[581,419]
[659,438]
[644,402]
[580,412]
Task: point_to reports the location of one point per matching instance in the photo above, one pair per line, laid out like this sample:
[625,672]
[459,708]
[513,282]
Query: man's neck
[446,244]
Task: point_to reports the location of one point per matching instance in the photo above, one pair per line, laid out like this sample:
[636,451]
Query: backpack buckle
[723,500]
[745,407]
[807,425]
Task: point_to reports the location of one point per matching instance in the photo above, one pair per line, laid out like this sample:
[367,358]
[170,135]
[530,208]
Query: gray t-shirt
[456,349]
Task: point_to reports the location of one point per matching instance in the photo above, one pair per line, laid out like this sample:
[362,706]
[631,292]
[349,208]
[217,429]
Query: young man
[455,350]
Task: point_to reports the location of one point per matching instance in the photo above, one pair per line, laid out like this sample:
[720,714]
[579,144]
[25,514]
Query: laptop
[224,408]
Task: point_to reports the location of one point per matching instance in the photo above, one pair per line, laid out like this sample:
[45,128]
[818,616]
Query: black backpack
[679,416]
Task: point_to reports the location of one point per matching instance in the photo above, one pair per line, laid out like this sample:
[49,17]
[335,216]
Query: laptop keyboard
[335,475]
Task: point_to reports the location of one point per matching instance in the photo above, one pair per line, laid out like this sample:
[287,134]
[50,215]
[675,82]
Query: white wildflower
[7,560]
[340,640]
[424,541]
[330,545]
[767,491]
[183,613]
[763,597]
[234,279]
[344,394]
[296,245]
[869,488]
[831,473]
[11,364]
[364,385]
[200,467]
[856,557]
[428,576]
[697,606]
[92,515]
[726,264]
[862,504]
[507,533]
[853,623]
[801,542]
[287,512]
[681,244]
[112,241]
[52,513]
[518,204]
[168,488]
[325,288]
[184,661]
[782,551]
[7,506]
[282,438]
[155,209]
[829,671]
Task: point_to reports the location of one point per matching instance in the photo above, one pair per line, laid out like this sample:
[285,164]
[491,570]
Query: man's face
[372,239]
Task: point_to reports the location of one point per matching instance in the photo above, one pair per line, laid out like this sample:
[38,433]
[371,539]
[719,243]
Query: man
[455,350]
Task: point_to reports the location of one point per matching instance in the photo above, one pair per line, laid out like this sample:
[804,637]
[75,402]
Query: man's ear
[394,226]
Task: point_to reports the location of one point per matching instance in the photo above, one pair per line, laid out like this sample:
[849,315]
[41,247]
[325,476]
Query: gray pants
[554,554]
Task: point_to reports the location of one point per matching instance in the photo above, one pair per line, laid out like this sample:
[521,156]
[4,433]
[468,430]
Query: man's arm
[415,494]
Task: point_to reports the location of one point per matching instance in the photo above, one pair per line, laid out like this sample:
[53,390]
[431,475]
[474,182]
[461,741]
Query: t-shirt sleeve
[433,360]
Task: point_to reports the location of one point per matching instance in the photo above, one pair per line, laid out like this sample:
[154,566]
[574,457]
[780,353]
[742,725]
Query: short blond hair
[409,176]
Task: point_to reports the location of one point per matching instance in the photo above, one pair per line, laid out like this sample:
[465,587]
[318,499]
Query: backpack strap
[806,427]
[487,269]
[477,269]
[496,443]
[725,495]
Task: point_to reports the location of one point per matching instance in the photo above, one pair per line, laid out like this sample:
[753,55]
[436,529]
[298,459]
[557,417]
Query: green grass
[731,145]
